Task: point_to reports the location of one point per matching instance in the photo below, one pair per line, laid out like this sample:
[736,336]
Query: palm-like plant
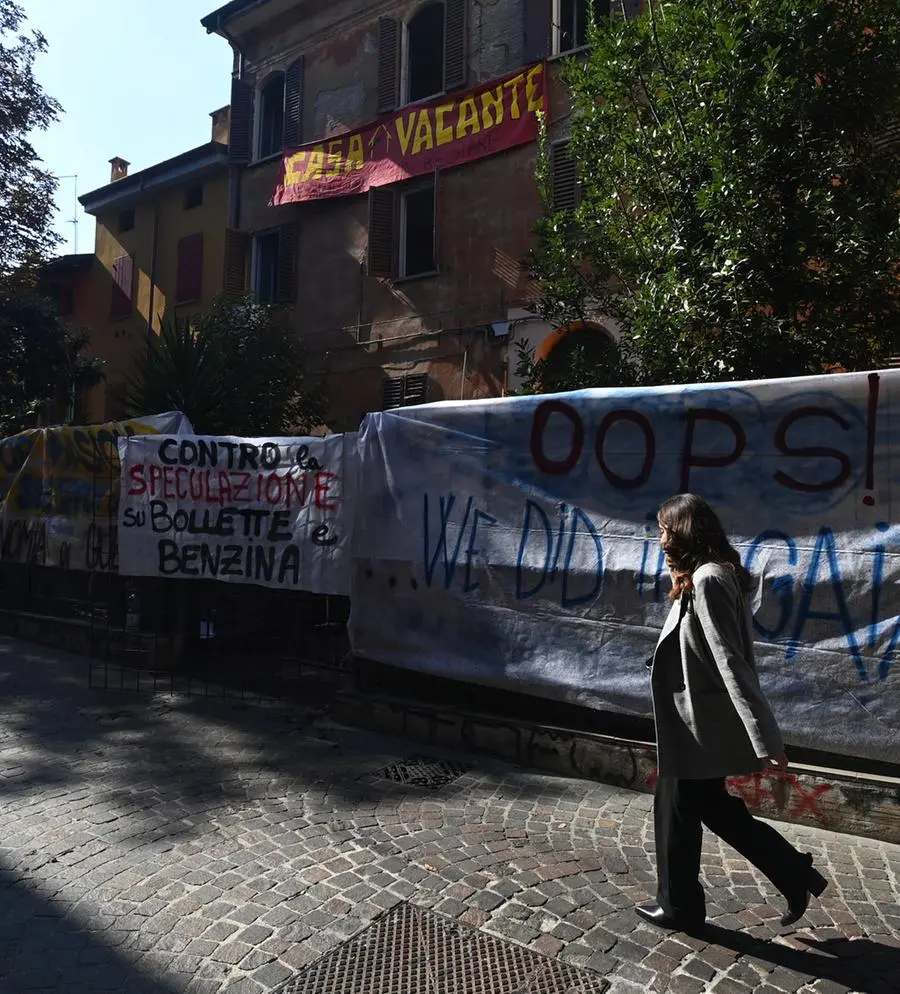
[239,369]
[180,371]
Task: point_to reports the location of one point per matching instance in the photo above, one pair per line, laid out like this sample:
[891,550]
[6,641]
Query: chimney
[221,125]
[118,170]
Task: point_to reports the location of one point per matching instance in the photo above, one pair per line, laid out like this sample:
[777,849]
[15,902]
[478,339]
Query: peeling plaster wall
[496,38]
[333,108]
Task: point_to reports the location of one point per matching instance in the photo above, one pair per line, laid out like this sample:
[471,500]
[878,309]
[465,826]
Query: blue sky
[136,78]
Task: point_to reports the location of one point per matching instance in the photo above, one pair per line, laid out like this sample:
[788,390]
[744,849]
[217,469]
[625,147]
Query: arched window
[425,57]
[576,354]
[270,117]
[424,53]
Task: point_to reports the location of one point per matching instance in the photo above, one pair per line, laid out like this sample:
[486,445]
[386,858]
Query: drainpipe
[154,251]
[465,371]
[361,302]
[234,172]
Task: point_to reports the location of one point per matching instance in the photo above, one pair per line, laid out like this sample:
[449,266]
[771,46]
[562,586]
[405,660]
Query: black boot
[811,883]
[661,918]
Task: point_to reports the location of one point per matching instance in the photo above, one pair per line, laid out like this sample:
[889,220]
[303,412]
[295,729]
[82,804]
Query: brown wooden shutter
[437,191]
[189,276]
[121,304]
[293,104]
[392,394]
[537,29]
[382,229]
[285,280]
[414,389]
[235,273]
[241,138]
[455,68]
[388,64]
[564,180]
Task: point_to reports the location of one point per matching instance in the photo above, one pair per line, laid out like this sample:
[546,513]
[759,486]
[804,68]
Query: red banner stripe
[418,139]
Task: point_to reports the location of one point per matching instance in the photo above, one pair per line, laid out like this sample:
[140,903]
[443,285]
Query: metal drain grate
[413,951]
[420,771]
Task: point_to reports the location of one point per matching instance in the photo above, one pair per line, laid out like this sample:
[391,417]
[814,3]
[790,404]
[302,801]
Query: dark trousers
[681,808]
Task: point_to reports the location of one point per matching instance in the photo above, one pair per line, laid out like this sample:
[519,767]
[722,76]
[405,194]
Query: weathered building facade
[412,292]
[159,255]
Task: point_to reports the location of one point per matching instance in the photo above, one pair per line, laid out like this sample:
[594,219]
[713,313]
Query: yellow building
[159,255]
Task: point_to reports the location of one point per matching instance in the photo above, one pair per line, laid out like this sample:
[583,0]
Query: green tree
[40,361]
[739,199]
[26,188]
[581,359]
[239,369]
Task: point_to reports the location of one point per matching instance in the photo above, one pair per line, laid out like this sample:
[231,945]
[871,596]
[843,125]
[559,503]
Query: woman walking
[712,722]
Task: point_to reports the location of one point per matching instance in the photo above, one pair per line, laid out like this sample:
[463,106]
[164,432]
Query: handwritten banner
[517,544]
[59,492]
[446,132]
[276,512]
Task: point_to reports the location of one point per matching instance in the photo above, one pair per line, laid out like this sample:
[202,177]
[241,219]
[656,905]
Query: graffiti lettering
[728,449]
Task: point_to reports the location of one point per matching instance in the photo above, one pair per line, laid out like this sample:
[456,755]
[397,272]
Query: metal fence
[195,637]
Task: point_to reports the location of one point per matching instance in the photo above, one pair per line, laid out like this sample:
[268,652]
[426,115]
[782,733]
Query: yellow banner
[59,492]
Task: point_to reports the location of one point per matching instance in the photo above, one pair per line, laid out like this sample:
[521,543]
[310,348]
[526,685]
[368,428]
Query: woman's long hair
[695,536]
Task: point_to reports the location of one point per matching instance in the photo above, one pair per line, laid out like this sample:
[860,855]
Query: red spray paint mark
[783,789]
[871,425]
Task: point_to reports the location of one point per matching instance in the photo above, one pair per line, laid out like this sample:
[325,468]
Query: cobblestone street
[151,843]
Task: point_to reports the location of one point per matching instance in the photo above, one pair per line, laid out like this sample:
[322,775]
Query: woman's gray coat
[712,719]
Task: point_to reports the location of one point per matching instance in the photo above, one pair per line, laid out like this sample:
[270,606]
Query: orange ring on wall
[556,337]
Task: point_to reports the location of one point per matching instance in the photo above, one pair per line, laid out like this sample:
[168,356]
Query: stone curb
[855,804]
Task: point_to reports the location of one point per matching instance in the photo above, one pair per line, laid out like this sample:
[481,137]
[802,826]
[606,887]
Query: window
[189,276]
[404,391]
[402,230]
[424,51]
[265,267]
[121,305]
[553,27]
[272,274]
[193,197]
[423,58]
[580,348]
[570,22]
[126,220]
[270,136]
[417,232]
[264,122]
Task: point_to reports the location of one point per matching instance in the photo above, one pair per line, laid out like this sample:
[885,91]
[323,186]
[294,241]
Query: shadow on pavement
[43,949]
[862,965]
[160,760]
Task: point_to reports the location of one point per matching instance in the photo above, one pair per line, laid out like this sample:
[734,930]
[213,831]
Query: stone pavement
[150,843]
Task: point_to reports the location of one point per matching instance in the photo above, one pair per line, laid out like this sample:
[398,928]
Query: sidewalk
[154,844]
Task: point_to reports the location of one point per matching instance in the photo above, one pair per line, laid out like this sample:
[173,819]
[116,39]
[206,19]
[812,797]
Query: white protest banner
[516,542]
[59,492]
[270,511]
